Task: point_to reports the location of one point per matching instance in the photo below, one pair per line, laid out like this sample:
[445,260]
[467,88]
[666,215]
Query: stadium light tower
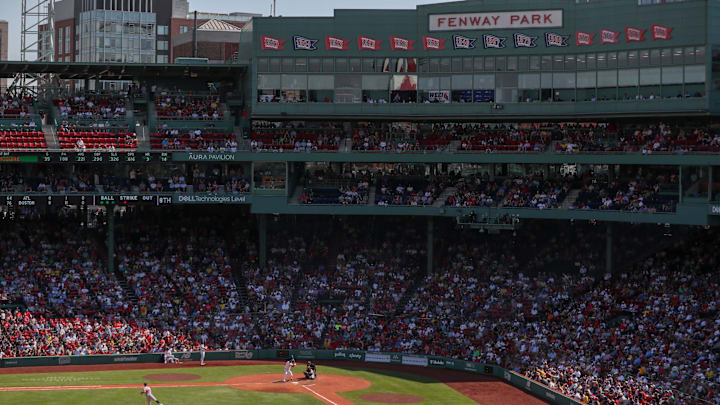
[37,35]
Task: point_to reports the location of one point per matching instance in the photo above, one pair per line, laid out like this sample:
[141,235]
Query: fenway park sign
[496,20]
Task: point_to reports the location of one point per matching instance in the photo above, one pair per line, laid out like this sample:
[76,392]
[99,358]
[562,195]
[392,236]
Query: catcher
[310,372]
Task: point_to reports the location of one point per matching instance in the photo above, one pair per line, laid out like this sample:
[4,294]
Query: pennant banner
[461,42]
[609,37]
[269,43]
[304,44]
[584,38]
[401,44]
[660,32]
[431,43]
[524,41]
[370,44]
[335,43]
[634,34]
[553,39]
[491,41]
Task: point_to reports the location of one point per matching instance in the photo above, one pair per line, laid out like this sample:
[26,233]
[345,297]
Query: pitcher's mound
[392,398]
[326,383]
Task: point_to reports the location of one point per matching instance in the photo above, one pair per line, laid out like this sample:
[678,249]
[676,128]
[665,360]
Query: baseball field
[252,382]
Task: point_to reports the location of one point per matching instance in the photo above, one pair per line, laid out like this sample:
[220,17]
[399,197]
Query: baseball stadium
[473,202]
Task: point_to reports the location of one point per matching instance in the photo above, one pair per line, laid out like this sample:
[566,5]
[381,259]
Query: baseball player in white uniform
[147,391]
[202,354]
[170,358]
[289,364]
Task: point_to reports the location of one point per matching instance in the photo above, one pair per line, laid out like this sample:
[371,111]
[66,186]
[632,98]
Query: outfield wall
[508,376]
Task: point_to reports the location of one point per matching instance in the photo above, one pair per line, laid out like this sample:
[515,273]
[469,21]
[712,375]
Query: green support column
[680,186]
[609,257]
[710,183]
[430,244]
[109,212]
[262,238]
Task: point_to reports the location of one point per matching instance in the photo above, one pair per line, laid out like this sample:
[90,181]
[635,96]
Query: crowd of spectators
[392,190]
[15,107]
[295,137]
[91,107]
[188,107]
[647,334]
[205,139]
[642,194]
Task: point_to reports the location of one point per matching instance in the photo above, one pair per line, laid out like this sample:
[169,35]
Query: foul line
[319,395]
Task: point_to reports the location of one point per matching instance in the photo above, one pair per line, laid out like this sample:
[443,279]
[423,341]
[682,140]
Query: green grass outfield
[383,381]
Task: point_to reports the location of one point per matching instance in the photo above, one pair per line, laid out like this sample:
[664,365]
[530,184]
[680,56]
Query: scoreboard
[85,157]
[83,200]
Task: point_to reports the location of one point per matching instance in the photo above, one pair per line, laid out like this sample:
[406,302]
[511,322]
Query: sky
[10,10]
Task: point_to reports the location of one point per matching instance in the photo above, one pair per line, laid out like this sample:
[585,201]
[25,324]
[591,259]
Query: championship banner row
[519,40]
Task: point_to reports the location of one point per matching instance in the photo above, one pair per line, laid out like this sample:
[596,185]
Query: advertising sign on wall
[496,20]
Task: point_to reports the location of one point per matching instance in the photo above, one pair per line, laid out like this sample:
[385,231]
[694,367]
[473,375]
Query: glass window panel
[690,55]
[300,64]
[288,65]
[294,82]
[627,77]
[467,64]
[268,82]
[602,61]
[564,80]
[354,64]
[672,75]
[424,65]
[489,64]
[368,64]
[275,65]
[523,63]
[529,81]
[649,76]
[478,63]
[644,58]
[484,82]
[534,63]
[321,82]
[348,81]
[500,63]
[314,65]
[546,80]
[622,59]
[607,78]
[678,56]
[580,62]
[558,61]
[695,74]
[655,57]
[375,82]
[341,64]
[445,82]
[445,65]
[633,58]
[546,65]
[462,82]
[429,83]
[612,60]
[262,64]
[512,64]
[328,65]
[592,61]
[667,56]
[434,65]
[457,64]
[586,80]
[569,62]
[503,80]
[700,54]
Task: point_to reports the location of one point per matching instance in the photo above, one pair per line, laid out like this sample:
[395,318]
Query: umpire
[310,372]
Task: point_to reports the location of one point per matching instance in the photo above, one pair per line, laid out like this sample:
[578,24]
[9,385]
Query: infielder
[148,394]
[289,364]
[202,354]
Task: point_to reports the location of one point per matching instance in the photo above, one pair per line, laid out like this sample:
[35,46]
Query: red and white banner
[633,34]
[431,43]
[336,43]
[609,37]
[583,38]
[367,43]
[401,44]
[269,43]
[660,32]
